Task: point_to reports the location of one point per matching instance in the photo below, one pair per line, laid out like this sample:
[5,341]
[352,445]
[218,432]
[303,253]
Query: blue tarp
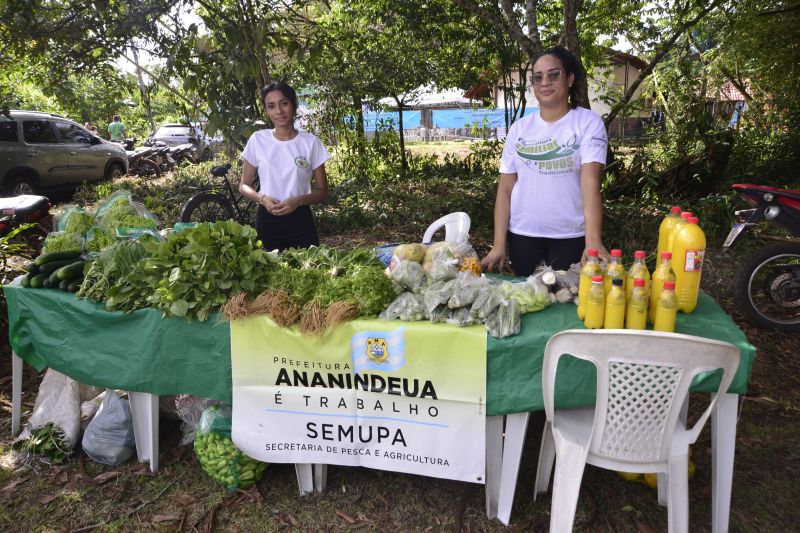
[442,118]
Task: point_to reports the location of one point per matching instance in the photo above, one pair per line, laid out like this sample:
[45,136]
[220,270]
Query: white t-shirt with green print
[546,157]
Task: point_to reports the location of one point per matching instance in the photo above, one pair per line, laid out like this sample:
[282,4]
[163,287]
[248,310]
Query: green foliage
[48,441]
[11,247]
[375,191]
[194,271]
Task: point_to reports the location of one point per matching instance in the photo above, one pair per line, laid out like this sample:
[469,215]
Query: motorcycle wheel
[767,287]
[207,207]
[148,168]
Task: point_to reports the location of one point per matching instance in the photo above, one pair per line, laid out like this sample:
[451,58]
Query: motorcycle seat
[23,205]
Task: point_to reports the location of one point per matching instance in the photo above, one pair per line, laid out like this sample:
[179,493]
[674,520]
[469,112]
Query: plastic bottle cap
[638,282]
[693,220]
[597,279]
[591,252]
[669,284]
[676,209]
[639,254]
[666,255]
[616,253]
[617,282]
[686,214]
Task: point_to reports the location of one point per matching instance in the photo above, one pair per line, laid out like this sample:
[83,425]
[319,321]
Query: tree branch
[531,16]
[516,32]
[659,55]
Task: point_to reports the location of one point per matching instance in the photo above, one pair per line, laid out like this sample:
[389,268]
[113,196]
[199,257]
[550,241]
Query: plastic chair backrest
[643,378]
[456,228]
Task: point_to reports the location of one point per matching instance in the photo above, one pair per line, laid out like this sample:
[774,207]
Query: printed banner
[407,397]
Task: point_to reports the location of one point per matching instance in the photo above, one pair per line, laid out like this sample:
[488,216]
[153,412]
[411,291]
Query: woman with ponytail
[548,207]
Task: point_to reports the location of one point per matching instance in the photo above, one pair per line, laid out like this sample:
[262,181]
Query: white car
[177,134]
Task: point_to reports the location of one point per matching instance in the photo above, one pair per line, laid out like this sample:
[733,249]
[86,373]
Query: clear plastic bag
[409,275]
[119,210]
[108,438]
[74,219]
[219,456]
[505,321]
[460,317]
[190,410]
[438,294]
[439,314]
[486,301]
[406,307]
[467,290]
[61,241]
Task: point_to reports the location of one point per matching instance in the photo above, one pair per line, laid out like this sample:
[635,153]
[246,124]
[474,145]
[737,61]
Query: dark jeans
[526,253]
[295,230]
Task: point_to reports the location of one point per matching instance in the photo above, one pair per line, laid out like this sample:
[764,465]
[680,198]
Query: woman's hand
[285,207]
[602,253]
[269,203]
[495,259]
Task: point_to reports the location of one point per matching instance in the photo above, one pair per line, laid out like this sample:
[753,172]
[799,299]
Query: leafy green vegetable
[79,221]
[63,242]
[47,440]
[193,272]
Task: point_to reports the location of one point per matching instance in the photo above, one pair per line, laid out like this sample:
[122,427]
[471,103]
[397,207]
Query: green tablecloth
[144,352]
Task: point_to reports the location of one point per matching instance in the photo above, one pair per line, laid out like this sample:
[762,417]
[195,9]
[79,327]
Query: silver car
[43,151]
[177,134]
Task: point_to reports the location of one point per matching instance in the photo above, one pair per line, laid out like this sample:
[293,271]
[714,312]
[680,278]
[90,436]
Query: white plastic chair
[456,228]
[643,380]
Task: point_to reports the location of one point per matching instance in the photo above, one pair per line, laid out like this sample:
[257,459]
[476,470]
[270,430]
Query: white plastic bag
[58,402]
[108,438]
[190,410]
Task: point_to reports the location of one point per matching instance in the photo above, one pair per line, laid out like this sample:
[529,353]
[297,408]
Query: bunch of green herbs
[111,268]
[48,441]
[195,271]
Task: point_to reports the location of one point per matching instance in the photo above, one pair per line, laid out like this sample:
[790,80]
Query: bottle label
[694,261]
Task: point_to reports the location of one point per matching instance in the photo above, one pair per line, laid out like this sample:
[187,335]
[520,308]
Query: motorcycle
[767,285]
[17,211]
[141,164]
[160,153]
[183,152]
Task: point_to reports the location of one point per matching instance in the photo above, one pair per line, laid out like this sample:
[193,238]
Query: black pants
[526,253]
[295,230]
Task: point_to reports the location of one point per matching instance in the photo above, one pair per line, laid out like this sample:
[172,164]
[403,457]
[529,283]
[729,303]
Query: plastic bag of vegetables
[467,289]
[406,307]
[460,317]
[61,241]
[530,295]
[438,293]
[74,219]
[505,321]
[409,275]
[219,456]
[486,301]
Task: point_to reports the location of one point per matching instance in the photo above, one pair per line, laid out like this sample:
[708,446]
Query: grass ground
[84,496]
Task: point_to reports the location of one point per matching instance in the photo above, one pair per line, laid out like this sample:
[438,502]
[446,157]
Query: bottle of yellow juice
[689,249]
[615,306]
[614,271]
[666,228]
[589,269]
[636,315]
[661,274]
[638,270]
[666,308]
[595,304]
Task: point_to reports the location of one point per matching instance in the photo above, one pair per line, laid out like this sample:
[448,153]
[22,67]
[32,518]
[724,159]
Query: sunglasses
[552,77]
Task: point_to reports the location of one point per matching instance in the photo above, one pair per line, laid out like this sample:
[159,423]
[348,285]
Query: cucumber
[46,283]
[56,256]
[26,280]
[75,284]
[63,284]
[71,271]
[52,266]
[38,280]
[31,268]
[52,279]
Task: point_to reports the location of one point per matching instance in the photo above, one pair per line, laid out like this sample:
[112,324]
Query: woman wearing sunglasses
[548,207]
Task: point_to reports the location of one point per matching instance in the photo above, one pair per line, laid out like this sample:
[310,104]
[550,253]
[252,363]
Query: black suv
[41,151]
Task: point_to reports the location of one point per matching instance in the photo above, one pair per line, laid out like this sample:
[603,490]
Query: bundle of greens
[320,287]
[76,220]
[111,268]
[194,272]
[48,441]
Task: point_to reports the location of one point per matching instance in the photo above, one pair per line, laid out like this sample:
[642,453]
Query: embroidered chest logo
[301,162]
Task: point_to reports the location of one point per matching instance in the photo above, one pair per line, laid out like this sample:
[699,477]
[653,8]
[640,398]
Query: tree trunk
[403,160]
[570,41]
